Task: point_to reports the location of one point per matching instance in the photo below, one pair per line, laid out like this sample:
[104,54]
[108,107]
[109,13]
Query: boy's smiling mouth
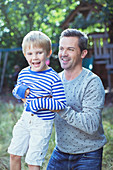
[35,64]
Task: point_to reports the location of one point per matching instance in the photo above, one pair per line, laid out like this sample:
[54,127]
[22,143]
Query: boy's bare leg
[34,167]
[15,162]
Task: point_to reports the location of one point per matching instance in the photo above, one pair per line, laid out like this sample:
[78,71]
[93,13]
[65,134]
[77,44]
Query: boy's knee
[15,157]
[31,167]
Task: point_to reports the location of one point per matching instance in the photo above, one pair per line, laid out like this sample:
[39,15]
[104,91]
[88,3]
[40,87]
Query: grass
[10,113]
[108,148]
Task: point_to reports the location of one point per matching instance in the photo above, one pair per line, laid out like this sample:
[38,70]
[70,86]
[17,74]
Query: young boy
[36,83]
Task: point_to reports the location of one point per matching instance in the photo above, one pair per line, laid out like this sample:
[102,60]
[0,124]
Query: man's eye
[70,49]
[60,49]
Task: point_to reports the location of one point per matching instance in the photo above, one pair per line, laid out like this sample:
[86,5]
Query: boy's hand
[24,100]
[27,92]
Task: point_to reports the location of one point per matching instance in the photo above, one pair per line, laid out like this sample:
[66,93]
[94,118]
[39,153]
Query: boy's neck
[45,68]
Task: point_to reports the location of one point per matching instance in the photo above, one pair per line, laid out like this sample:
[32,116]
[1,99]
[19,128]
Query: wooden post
[0,56]
[3,71]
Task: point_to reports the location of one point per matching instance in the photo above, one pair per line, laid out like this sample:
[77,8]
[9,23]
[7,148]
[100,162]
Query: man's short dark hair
[83,39]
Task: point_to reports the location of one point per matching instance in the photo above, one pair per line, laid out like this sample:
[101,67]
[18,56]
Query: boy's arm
[19,91]
[57,102]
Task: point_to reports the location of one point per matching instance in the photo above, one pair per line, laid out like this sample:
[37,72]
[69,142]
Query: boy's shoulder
[25,68]
[52,71]
[54,74]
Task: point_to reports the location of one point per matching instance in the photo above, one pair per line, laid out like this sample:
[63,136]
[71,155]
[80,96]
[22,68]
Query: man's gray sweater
[79,126]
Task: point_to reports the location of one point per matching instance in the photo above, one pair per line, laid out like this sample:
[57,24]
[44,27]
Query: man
[79,132]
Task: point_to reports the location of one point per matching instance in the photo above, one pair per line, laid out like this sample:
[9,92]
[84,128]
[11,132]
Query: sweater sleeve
[57,102]
[89,118]
[19,90]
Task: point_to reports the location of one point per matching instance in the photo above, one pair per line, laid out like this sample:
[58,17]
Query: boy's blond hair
[36,39]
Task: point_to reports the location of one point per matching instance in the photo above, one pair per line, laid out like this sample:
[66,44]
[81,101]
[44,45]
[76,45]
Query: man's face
[69,53]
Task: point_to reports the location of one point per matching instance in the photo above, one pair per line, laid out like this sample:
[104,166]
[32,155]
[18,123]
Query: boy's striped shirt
[44,83]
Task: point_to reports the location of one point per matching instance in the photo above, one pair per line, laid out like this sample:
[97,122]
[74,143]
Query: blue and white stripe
[41,84]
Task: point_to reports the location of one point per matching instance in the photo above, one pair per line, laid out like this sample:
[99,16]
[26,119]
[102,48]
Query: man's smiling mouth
[65,59]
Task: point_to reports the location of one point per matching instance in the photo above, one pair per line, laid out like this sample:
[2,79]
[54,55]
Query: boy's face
[36,58]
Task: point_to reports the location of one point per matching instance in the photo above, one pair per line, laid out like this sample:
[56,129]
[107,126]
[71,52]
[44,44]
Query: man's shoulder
[91,79]
[89,74]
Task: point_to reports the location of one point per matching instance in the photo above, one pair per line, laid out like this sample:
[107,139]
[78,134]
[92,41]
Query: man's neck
[72,74]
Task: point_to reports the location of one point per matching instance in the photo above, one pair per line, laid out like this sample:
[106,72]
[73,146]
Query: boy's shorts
[31,136]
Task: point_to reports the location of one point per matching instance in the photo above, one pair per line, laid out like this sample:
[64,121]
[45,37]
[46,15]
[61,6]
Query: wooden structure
[103,53]
[109,66]
[85,9]
[100,42]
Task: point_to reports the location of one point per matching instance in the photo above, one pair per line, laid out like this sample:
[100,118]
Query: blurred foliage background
[17,18]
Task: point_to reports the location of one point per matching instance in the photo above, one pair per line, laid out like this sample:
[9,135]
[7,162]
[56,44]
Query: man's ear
[84,53]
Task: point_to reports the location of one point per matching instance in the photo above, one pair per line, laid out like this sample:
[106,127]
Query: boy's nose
[35,56]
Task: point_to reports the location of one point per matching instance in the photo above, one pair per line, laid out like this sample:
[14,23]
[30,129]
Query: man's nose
[64,53]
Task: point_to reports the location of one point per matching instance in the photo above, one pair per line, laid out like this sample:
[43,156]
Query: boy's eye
[40,52]
[29,53]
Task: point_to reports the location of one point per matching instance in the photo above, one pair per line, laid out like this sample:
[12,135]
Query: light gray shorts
[31,136]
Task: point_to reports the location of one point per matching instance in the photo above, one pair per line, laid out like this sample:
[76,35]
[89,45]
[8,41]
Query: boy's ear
[50,52]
